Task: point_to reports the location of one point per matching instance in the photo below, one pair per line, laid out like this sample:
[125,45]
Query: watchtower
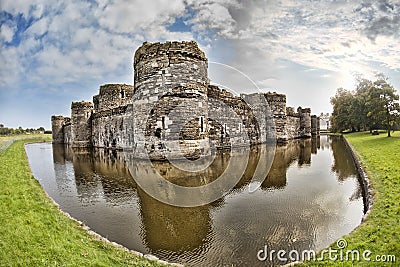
[81,124]
[170,100]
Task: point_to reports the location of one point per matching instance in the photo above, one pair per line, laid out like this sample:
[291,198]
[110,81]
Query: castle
[172,109]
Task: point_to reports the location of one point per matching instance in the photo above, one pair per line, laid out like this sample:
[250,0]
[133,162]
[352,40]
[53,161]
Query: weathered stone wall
[67,131]
[230,118]
[113,128]
[314,125]
[293,126]
[57,129]
[81,124]
[277,104]
[305,121]
[112,96]
[166,75]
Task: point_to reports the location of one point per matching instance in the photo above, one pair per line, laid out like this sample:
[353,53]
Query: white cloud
[130,16]
[7,33]
[78,41]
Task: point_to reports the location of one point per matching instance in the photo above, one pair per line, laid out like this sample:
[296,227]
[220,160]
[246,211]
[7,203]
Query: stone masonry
[172,110]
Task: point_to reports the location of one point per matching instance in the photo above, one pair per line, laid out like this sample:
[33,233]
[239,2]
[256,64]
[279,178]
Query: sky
[56,52]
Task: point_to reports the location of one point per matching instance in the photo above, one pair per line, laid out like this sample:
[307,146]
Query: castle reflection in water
[178,233]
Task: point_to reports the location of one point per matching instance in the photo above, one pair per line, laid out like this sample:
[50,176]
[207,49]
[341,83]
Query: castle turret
[112,96]
[170,100]
[81,121]
[305,121]
[57,124]
[314,125]
[277,104]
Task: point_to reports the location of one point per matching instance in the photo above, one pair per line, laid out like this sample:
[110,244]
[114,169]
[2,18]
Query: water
[310,198]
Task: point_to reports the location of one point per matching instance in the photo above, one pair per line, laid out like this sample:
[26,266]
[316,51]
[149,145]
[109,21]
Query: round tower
[170,100]
[81,123]
[112,96]
[160,67]
[277,104]
[57,129]
[305,121]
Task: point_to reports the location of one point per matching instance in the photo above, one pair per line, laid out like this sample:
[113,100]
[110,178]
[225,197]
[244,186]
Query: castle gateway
[173,110]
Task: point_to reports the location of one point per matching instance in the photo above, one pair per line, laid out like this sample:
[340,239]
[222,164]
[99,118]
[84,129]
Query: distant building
[324,121]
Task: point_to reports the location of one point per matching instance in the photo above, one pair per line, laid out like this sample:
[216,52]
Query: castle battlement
[175,51]
[172,96]
[112,96]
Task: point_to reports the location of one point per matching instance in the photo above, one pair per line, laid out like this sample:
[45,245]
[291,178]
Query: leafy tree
[360,109]
[371,105]
[342,110]
[383,104]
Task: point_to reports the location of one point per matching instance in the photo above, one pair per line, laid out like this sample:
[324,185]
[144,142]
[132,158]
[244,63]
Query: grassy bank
[380,232]
[33,232]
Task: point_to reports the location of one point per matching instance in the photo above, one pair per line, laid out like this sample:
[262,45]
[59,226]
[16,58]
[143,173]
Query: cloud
[381,18]
[80,41]
[7,33]
[130,16]
[330,35]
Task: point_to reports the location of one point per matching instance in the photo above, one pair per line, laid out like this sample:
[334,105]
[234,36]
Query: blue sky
[55,52]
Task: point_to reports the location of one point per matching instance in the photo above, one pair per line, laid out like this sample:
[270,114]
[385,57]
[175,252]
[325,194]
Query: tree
[360,109]
[342,110]
[383,104]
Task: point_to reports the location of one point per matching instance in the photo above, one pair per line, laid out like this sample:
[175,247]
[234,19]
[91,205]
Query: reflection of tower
[58,153]
[170,228]
[305,152]
[284,156]
[315,144]
[87,182]
[296,150]
[170,78]
[81,127]
[117,183]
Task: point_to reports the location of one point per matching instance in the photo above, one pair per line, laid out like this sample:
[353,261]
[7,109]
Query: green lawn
[33,232]
[380,232]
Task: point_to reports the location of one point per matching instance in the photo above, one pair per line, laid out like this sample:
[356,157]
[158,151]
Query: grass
[7,140]
[33,231]
[380,232]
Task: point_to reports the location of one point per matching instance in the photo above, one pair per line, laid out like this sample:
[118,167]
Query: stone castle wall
[81,124]
[172,108]
[170,76]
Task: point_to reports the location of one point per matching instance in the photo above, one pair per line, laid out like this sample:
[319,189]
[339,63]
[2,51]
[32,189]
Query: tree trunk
[388,130]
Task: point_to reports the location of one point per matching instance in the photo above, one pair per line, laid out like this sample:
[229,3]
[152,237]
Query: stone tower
[305,121]
[57,124]
[277,104]
[112,117]
[81,127]
[112,96]
[170,100]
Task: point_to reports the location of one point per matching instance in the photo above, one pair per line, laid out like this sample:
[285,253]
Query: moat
[310,198]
